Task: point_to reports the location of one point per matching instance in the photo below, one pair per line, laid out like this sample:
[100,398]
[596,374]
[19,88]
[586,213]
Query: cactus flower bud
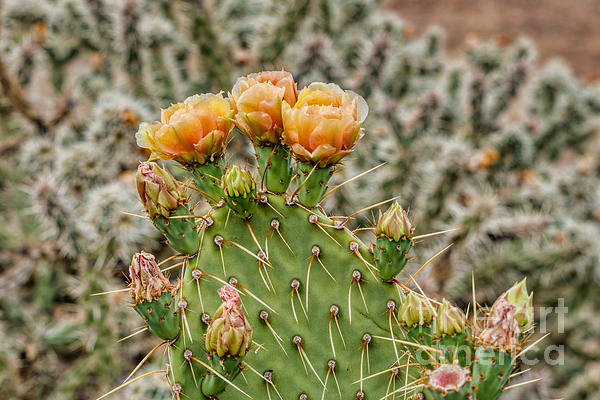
[159,191]
[523,301]
[229,332]
[502,329]
[448,378]
[450,320]
[415,310]
[257,99]
[394,223]
[394,233]
[238,183]
[147,280]
[240,190]
[324,124]
[194,131]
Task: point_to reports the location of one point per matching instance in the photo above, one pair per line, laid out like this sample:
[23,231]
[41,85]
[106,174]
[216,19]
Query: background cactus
[516,141]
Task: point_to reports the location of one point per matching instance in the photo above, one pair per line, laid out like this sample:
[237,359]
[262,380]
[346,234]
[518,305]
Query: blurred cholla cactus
[105,227]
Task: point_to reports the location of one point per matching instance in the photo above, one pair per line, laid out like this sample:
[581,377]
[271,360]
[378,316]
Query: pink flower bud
[158,190]
[502,329]
[394,223]
[523,301]
[147,281]
[229,333]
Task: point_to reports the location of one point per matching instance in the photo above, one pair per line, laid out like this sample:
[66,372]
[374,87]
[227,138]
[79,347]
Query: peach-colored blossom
[257,99]
[324,123]
[194,131]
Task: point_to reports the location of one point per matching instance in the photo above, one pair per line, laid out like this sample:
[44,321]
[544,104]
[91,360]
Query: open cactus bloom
[324,309]
[257,99]
[147,281]
[324,124]
[159,191]
[194,131]
[229,333]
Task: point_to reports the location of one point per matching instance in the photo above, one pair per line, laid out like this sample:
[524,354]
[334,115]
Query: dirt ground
[565,28]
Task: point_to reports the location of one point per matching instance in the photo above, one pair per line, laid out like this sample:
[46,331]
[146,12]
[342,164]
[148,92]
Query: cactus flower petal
[324,124]
[194,131]
[257,99]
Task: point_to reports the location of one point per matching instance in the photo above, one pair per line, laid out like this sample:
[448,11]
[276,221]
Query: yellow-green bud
[450,320]
[229,333]
[415,310]
[159,191]
[394,223]
[238,183]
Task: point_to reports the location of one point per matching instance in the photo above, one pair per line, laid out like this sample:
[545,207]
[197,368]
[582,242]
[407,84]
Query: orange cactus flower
[324,123]
[194,131]
[257,99]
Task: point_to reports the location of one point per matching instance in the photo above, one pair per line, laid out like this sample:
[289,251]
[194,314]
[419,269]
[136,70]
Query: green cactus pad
[181,233]
[273,293]
[161,316]
[391,256]
[491,371]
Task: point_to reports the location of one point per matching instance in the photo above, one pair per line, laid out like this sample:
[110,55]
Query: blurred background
[481,127]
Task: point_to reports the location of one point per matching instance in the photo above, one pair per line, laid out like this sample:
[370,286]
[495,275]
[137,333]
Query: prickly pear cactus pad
[273,297]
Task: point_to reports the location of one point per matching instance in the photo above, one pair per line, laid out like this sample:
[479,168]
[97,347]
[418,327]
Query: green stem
[275,169]
[312,183]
